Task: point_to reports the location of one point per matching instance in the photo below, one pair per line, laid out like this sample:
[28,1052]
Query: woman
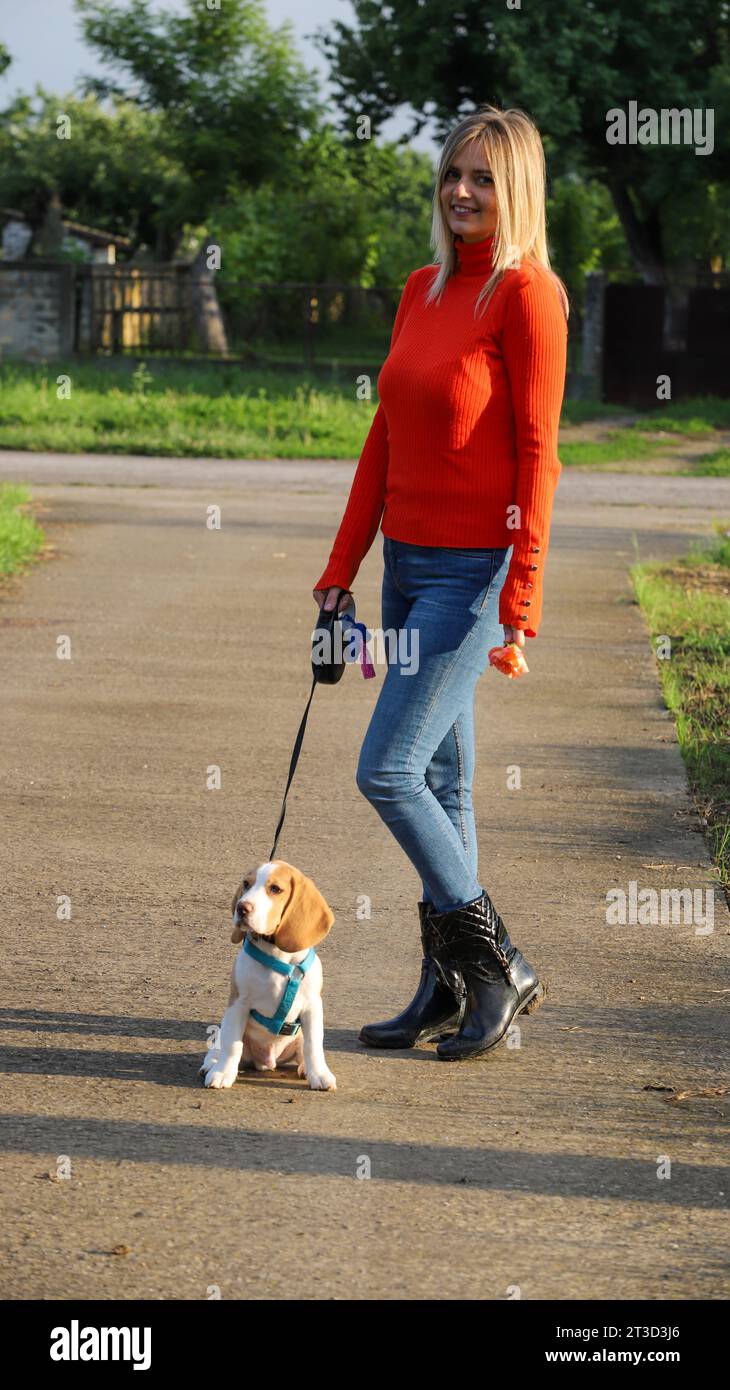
[461,462]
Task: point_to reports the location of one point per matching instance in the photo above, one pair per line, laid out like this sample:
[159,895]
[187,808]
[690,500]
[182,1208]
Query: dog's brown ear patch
[238,932]
[306,919]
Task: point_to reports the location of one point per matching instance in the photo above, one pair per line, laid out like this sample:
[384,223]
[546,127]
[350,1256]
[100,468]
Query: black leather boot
[500,983]
[436,1007]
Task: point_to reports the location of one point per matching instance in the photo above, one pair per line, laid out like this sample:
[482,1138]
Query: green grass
[632,445]
[694,417]
[685,602]
[226,410]
[20,537]
[619,446]
[585,412]
[715,464]
[218,411]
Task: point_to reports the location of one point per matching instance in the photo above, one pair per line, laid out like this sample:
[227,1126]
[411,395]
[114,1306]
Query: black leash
[325,672]
[292,765]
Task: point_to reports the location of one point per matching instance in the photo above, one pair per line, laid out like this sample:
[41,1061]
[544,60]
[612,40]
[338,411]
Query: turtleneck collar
[474,257]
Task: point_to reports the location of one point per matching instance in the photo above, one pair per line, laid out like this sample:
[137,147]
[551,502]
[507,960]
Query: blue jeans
[416,764]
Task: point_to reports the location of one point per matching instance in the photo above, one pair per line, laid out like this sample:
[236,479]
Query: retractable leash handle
[326,670]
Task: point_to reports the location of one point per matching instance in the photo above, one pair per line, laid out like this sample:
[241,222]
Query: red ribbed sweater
[462,449]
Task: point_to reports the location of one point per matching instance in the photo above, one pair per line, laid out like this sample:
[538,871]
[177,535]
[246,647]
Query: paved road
[533,1170]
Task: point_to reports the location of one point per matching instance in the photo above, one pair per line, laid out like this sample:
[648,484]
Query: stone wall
[50,308]
[37,309]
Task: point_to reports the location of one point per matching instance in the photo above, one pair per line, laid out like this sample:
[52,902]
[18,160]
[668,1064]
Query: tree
[567,63]
[234,96]
[585,235]
[353,216]
[111,171]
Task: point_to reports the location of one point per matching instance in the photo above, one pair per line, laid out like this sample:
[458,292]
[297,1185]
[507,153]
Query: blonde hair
[513,149]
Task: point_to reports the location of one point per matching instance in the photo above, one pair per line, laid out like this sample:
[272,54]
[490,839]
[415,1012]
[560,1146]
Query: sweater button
[534,549]
[533,567]
[524,617]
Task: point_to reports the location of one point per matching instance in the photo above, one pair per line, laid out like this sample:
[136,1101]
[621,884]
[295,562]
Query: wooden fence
[121,308]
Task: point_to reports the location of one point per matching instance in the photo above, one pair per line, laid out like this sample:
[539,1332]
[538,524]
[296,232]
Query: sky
[43,39]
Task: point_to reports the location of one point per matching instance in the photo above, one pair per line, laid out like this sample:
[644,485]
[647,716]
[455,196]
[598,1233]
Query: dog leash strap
[292,766]
[367,670]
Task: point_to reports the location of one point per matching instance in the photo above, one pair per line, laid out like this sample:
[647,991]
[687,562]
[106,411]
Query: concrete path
[534,1170]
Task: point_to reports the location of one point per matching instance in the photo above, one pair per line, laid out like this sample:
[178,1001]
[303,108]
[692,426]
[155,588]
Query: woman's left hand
[514,634]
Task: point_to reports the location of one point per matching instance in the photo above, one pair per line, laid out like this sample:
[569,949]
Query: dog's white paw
[210,1060]
[220,1080]
[322,1080]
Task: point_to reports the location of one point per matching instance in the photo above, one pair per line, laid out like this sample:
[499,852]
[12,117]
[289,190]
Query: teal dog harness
[277,1024]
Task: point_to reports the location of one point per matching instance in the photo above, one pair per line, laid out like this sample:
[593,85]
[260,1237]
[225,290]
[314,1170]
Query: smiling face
[280,902]
[467,194]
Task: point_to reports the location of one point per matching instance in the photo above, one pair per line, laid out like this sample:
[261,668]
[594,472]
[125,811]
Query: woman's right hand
[326,598]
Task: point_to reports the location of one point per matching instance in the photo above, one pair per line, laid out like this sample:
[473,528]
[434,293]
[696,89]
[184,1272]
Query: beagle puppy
[274,1012]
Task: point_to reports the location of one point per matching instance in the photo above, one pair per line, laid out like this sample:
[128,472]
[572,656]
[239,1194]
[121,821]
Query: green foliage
[354,215]
[208,126]
[568,64]
[141,378]
[221,410]
[713,552]
[234,94]
[581,411]
[619,446]
[685,602]
[200,106]
[204,411]
[20,537]
[716,464]
[584,234]
[696,415]
[110,172]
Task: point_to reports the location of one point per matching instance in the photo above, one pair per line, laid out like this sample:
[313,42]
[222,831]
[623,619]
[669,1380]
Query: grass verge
[689,602]
[222,410]
[715,464]
[196,411]
[619,446]
[20,537]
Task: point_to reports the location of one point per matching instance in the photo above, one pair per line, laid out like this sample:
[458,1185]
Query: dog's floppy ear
[239,930]
[306,919]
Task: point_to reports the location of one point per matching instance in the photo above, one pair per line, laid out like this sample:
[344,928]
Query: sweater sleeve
[534,346]
[364,509]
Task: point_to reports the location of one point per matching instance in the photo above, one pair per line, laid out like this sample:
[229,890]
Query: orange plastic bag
[509,659]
